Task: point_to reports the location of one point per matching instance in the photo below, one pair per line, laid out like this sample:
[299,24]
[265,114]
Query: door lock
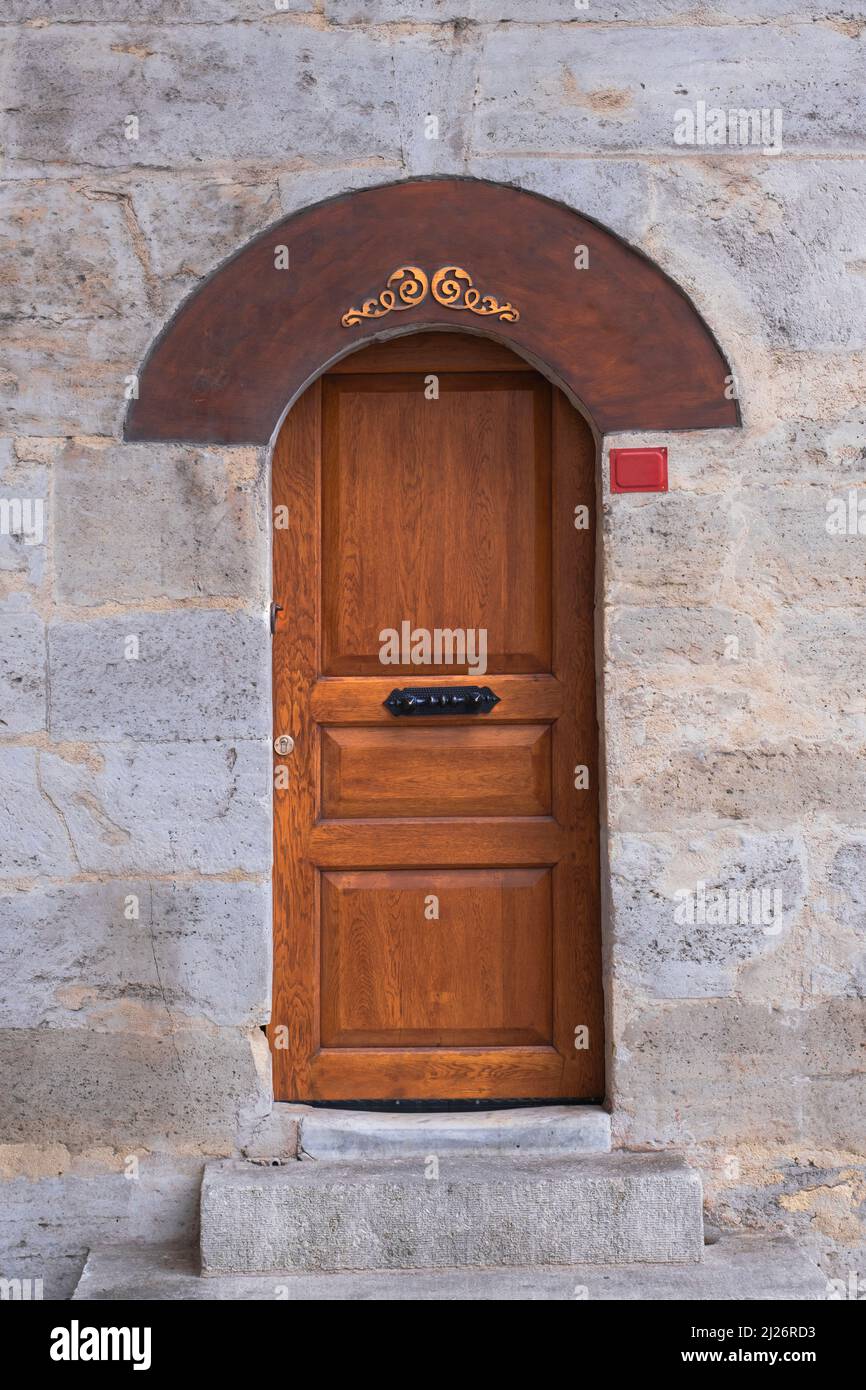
[284,744]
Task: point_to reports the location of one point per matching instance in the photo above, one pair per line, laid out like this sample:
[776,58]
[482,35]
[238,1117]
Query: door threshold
[436,1107]
[520,1129]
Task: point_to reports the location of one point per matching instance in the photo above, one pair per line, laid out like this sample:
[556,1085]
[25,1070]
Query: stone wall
[134,800]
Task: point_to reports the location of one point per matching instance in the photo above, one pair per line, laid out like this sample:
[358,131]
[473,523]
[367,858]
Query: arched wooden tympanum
[617,335]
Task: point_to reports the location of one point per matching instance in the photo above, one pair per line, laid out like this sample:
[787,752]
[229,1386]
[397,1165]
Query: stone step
[485,1212]
[742,1268]
[556,1131]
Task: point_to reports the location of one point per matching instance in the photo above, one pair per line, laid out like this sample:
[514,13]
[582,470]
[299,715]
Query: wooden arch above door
[618,336]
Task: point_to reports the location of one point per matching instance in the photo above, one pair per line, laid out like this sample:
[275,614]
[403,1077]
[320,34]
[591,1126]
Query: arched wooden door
[436,875]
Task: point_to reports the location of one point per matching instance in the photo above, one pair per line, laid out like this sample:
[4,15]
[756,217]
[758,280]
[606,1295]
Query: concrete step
[394,1214]
[556,1131]
[743,1268]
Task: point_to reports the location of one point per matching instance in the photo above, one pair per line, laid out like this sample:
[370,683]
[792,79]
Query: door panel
[455,771]
[436,877]
[436,525]
[477,975]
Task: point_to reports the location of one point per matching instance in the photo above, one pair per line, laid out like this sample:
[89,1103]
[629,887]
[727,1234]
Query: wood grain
[428,478]
[294,1028]
[458,770]
[464,1073]
[478,973]
[408,842]
[577,966]
[361,700]
[440,351]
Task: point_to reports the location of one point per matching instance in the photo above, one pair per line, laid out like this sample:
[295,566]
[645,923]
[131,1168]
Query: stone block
[772,784]
[33,837]
[837,945]
[301,188]
[848,872]
[71,955]
[47,1276]
[616,1208]
[834,1111]
[48,1222]
[676,544]
[736,1268]
[785,237]
[821,656]
[51,275]
[274,1139]
[716,1071]
[191,225]
[22,668]
[615,192]
[143,521]
[167,808]
[130,1090]
[751,885]
[826,386]
[434,82]
[652,636]
[143,11]
[833,1035]
[555,12]
[25,522]
[589,89]
[200,105]
[788,554]
[70,378]
[193,675]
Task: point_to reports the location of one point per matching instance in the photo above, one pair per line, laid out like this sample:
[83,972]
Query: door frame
[246,344]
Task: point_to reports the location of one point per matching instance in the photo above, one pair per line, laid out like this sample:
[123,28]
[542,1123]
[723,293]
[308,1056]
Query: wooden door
[436,877]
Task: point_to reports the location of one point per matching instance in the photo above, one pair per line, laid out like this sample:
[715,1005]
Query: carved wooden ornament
[451,286]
